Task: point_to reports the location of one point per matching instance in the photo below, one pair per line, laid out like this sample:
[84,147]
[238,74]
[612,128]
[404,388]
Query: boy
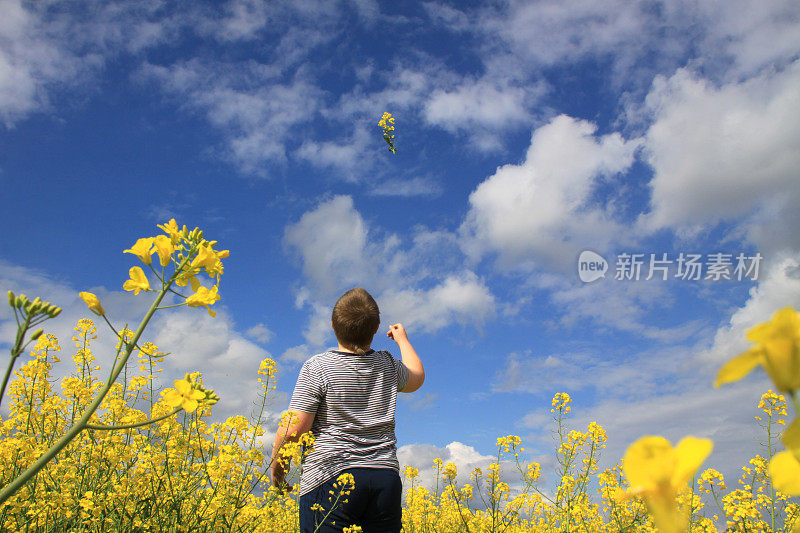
[346,398]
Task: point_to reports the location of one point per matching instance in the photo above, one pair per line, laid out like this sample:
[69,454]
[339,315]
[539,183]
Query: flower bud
[56,312]
[37,334]
[22,300]
[12,300]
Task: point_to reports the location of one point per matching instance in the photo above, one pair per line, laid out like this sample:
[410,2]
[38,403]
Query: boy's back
[353,398]
[347,399]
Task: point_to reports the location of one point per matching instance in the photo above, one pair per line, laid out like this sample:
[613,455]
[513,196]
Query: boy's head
[355,320]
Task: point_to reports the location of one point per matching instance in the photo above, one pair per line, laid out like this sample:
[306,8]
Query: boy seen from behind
[346,397]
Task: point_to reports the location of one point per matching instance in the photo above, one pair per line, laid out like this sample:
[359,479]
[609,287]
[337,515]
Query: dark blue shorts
[375,504]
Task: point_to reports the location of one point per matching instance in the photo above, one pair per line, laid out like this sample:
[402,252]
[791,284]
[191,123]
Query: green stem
[101,427]
[80,425]
[15,351]
[173,305]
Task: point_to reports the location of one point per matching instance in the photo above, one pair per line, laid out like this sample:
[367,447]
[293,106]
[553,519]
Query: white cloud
[721,153]
[461,298]
[32,61]
[331,240]
[480,109]
[337,252]
[751,36]
[260,332]
[447,16]
[407,188]
[421,456]
[550,32]
[259,120]
[623,306]
[540,211]
[779,287]
[297,354]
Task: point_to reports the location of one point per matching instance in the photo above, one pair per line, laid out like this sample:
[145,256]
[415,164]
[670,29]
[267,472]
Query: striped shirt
[353,401]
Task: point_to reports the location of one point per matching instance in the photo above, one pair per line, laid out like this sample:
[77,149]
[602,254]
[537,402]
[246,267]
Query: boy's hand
[397,333]
[278,478]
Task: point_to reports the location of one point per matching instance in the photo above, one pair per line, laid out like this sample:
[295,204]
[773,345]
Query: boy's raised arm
[416,372]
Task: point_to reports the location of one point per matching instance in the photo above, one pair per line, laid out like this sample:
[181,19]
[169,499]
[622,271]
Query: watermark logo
[591,266]
[716,266]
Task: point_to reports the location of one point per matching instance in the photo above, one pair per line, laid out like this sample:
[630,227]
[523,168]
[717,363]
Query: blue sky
[527,133]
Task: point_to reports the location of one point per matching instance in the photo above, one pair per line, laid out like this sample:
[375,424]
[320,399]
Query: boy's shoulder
[333,354]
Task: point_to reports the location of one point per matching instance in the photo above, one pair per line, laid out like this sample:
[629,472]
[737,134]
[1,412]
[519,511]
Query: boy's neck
[343,349]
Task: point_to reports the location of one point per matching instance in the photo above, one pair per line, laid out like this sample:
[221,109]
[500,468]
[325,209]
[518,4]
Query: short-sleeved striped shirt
[353,400]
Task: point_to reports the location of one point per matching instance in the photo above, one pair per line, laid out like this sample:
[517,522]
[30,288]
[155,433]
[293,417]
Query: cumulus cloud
[749,37]
[260,332]
[421,457]
[719,153]
[31,61]
[331,242]
[258,119]
[539,212]
[612,305]
[480,109]
[779,287]
[338,251]
[460,298]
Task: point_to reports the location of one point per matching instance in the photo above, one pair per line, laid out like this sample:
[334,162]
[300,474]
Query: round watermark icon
[591,266]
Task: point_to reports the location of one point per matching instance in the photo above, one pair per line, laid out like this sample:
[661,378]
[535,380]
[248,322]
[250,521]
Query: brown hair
[355,319]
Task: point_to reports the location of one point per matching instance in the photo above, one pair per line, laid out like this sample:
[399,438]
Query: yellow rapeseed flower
[203,297]
[658,472]
[184,395]
[143,249]
[171,228]
[784,469]
[777,349]
[138,281]
[164,248]
[93,303]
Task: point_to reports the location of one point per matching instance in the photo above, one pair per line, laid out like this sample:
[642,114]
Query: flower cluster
[386,123]
[179,474]
[188,252]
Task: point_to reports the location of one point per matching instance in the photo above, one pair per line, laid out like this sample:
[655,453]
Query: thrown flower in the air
[143,249]
[93,303]
[386,123]
[658,472]
[777,349]
[203,297]
[186,395]
[138,281]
